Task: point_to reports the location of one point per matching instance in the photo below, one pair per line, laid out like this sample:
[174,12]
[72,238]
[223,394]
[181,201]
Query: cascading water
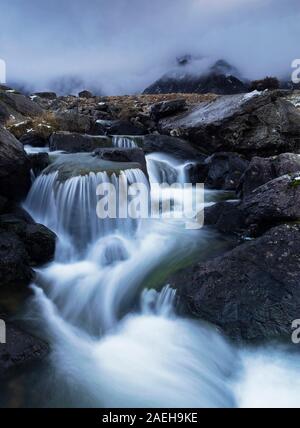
[124,142]
[108,347]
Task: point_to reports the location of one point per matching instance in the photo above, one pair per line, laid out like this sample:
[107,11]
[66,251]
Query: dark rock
[226,217]
[46,95]
[14,167]
[167,108]
[21,104]
[15,270]
[251,292]
[73,122]
[75,143]
[275,202]
[176,147]
[134,155]
[37,241]
[262,170]
[33,139]
[225,170]
[251,125]
[20,349]
[39,161]
[85,94]
[117,127]
[197,172]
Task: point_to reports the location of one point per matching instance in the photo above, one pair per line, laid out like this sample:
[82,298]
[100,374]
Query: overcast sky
[122,46]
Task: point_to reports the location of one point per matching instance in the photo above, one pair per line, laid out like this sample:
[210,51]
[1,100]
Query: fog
[122,46]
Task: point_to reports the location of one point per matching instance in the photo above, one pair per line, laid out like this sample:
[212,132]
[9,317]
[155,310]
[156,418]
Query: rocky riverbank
[248,144]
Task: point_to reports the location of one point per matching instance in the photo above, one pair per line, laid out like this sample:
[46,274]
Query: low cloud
[122,46]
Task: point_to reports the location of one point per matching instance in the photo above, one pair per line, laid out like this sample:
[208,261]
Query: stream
[117,334]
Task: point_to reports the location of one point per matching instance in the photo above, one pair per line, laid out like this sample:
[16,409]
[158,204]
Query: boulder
[34,139]
[20,104]
[255,124]
[73,122]
[38,162]
[225,170]
[14,167]
[252,292]
[167,108]
[38,242]
[176,147]
[20,349]
[262,170]
[275,202]
[134,155]
[117,127]
[72,142]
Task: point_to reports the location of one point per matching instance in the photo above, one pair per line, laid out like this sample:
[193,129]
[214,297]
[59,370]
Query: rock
[275,202]
[14,167]
[15,270]
[225,170]
[252,292]
[253,125]
[21,128]
[262,170]
[45,95]
[135,155]
[85,94]
[167,108]
[21,104]
[33,139]
[117,127]
[75,143]
[176,147]
[20,349]
[73,122]
[37,241]
[226,217]
[38,162]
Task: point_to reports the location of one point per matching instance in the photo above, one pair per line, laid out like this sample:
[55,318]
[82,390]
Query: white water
[109,350]
[124,142]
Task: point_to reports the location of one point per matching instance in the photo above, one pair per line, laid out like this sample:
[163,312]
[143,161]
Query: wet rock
[176,147]
[225,170]
[277,201]
[251,292]
[252,124]
[134,155]
[14,167]
[20,349]
[33,139]
[262,170]
[74,143]
[167,108]
[117,127]
[38,162]
[37,241]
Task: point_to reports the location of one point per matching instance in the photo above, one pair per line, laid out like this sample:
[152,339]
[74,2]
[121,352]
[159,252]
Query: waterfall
[69,207]
[115,341]
[164,168]
[124,142]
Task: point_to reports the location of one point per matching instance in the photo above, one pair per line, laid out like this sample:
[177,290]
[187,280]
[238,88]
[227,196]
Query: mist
[121,46]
